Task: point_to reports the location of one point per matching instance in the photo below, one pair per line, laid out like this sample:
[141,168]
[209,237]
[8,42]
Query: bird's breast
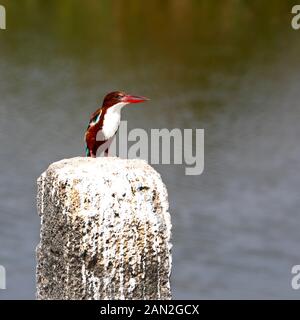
[111,124]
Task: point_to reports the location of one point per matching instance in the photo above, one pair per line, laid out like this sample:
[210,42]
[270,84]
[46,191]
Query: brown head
[116,97]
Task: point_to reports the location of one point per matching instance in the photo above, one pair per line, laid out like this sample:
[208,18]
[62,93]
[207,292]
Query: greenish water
[230,67]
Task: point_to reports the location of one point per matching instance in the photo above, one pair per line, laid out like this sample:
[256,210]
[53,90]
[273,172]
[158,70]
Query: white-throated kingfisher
[106,120]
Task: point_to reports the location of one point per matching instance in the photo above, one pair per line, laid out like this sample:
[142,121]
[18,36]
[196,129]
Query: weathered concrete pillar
[105,231]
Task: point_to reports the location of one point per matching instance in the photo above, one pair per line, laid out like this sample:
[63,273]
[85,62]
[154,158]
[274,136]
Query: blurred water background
[230,67]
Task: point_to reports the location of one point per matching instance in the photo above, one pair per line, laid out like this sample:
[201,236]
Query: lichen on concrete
[105,231]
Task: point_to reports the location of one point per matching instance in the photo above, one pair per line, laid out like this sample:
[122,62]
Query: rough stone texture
[105,231]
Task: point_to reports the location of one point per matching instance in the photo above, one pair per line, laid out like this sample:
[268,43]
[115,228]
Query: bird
[106,120]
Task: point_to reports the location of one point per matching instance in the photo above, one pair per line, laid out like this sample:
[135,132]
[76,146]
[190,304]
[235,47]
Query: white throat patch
[112,120]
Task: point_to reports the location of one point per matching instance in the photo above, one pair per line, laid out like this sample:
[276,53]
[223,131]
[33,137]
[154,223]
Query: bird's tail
[87,151]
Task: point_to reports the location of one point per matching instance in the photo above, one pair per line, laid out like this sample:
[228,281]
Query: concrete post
[105,231]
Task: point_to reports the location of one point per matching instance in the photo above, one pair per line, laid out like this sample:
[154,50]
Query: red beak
[134,99]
